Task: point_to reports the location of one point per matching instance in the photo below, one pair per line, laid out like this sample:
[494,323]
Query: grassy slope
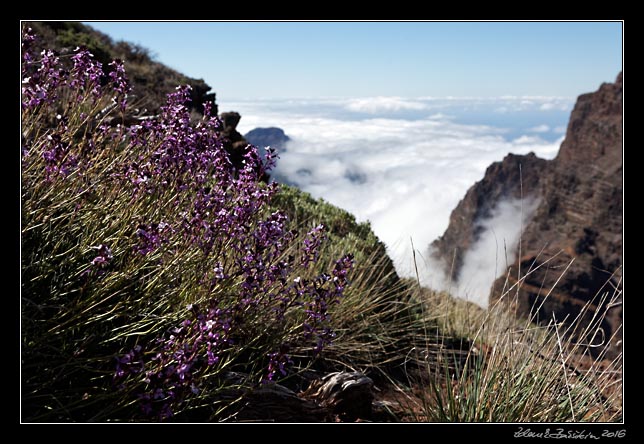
[151,81]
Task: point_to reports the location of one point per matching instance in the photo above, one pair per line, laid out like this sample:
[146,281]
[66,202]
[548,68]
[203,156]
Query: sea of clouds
[404,164]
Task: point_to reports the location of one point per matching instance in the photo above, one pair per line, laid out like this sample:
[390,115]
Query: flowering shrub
[151,263]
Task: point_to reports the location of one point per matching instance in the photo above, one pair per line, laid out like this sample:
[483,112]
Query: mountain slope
[577,226]
[151,81]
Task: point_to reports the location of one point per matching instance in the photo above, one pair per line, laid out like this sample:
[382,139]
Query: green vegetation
[519,371]
[150,80]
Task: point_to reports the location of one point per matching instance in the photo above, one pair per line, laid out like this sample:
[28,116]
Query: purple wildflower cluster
[99,265]
[177,365]
[44,75]
[312,244]
[41,86]
[222,211]
[66,94]
[86,73]
[58,158]
[151,236]
[173,373]
[256,290]
[121,85]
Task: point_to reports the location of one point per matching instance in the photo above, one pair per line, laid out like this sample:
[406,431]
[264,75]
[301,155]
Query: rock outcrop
[272,136]
[515,177]
[577,226]
[347,395]
[336,397]
[234,142]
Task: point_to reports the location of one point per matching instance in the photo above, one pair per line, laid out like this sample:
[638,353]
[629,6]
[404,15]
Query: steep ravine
[577,225]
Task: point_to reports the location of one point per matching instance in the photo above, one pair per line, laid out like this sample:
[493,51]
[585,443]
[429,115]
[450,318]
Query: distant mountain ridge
[577,225]
[271,136]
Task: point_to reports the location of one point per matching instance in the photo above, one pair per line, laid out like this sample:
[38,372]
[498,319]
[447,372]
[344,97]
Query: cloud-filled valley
[495,249]
[404,164]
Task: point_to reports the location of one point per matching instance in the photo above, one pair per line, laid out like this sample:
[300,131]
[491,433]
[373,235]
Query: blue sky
[365,59]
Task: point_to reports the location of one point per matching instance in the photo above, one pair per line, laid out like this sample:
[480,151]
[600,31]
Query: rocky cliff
[514,177]
[577,224]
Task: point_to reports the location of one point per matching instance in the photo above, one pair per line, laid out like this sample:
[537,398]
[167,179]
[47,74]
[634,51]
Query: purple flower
[120,83]
[104,256]
[219,271]
[183,370]
[212,359]
[28,38]
[41,86]
[55,153]
[152,236]
[312,242]
[86,73]
[129,363]
[277,363]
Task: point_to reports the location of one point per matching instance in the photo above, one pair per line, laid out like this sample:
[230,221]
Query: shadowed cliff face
[577,224]
[502,182]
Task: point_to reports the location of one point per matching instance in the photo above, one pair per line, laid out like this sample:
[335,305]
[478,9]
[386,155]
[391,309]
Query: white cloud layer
[374,105]
[540,129]
[554,105]
[403,175]
[495,249]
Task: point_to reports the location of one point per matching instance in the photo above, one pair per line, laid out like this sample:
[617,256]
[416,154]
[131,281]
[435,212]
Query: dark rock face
[276,403]
[200,94]
[338,396]
[348,395]
[234,142]
[263,137]
[502,180]
[577,225]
